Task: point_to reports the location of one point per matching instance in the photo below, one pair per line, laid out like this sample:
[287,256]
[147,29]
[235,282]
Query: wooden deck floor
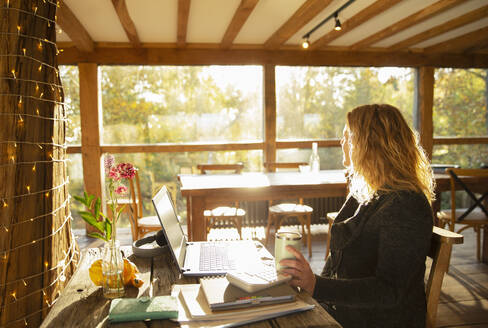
[464,296]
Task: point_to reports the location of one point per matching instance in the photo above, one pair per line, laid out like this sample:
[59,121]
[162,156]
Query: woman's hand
[300,270]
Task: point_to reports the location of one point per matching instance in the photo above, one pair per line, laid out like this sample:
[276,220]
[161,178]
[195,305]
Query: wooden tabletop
[82,304]
[262,185]
[249,182]
[207,191]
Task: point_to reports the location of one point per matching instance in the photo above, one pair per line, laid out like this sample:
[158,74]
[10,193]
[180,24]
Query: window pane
[168,104]
[158,169]
[330,157]
[312,102]
[466,156]
[460,108]
[75,187]
[71,86]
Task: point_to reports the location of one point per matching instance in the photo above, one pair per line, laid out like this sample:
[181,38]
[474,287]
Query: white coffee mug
[283,239]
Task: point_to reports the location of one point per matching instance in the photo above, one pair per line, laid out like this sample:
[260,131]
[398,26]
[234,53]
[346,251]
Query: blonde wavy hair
[385,154]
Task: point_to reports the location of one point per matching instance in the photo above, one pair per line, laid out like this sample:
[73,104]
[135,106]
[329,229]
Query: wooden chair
[227,212]
[279,212]
[330,219]
[140,225]
[476,216]
[440,253]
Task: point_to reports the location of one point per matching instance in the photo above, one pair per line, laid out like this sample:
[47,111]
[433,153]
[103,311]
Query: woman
[374,276]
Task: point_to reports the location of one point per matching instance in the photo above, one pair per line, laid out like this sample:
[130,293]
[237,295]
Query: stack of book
[215,302]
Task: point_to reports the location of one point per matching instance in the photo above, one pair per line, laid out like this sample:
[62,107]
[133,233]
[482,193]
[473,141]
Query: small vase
[112,270]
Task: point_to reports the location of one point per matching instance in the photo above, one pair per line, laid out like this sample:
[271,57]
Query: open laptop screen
[171,226]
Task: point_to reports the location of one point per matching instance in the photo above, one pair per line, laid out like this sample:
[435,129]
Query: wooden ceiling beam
[73,28]
[240,17]
[127,23]
[299,19]
[172,56]
[183,14]
[419,16]
[463,43]
[478,47]
[468,18]
[364,15]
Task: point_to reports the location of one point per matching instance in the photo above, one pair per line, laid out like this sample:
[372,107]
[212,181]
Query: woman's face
[346,160]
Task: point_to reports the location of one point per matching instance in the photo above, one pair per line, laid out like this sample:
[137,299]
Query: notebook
[195,312]
[143,308]
[221,295]
[202,258]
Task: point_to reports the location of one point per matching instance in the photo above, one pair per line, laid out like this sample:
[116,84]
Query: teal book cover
[144,308]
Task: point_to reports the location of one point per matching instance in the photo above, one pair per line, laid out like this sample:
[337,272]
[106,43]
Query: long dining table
[207,191]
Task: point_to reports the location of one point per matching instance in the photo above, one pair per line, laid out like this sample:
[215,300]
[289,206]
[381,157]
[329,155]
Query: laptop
[202,258]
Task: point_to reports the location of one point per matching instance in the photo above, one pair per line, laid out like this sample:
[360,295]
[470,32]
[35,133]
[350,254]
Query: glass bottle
[314,159]
[112,270]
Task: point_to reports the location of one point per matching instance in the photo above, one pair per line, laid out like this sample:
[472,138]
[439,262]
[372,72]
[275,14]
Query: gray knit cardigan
[374,276]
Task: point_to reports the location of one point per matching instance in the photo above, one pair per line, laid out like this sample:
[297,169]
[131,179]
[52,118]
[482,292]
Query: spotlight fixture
[337,27]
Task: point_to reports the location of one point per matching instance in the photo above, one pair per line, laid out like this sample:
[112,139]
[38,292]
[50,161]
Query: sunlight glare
[385,73]
[241,77]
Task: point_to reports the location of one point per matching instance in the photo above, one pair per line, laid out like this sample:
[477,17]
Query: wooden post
[37,248]
[91,130]
[269,85]
[424,100]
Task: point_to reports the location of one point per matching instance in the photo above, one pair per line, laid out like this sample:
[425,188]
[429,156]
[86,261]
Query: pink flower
[121,190]
[114,174]
[126,170]
[109,161]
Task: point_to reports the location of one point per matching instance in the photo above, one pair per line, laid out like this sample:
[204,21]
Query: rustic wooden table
[205,191]
[82,304]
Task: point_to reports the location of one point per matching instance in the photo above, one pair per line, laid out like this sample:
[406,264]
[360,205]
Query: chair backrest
[234,168]
[136,196]
[440,252]
[273,166]
[456,176]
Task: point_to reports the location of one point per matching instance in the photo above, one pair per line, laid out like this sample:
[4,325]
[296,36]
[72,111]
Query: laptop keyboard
[214,257]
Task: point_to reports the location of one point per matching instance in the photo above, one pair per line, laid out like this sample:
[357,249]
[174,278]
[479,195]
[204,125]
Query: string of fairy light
[39,144]
[46,264]
[61,277]
[34,163]
[31,107]
[61,264]
[6,228]
[24,280]
[46,192]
